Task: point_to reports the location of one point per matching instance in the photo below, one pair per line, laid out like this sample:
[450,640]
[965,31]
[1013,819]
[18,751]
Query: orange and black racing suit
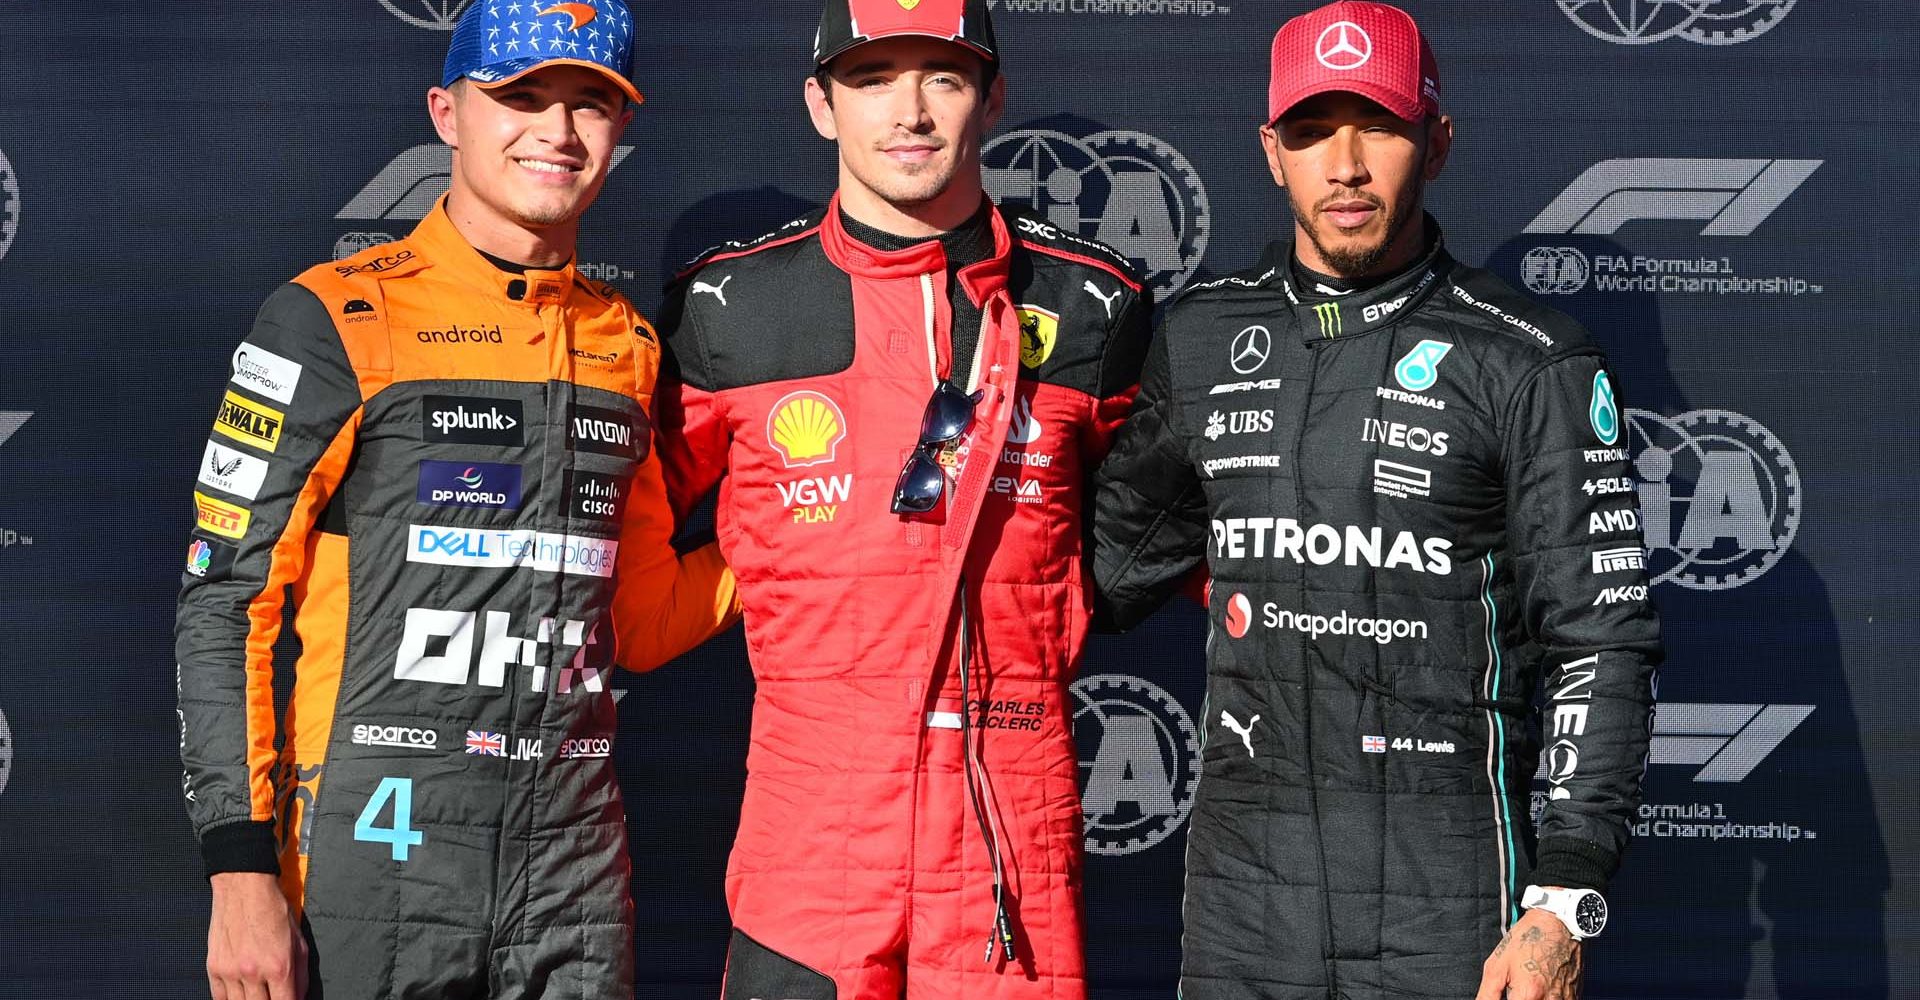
[450,464]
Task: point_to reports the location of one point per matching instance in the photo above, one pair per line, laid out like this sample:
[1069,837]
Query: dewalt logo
[1329,315]
[249,422]
[220,517]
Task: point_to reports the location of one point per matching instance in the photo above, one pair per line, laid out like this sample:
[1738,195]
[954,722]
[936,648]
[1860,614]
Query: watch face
[1590,913]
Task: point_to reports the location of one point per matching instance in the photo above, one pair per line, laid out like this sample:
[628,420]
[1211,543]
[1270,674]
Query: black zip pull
[1006,931]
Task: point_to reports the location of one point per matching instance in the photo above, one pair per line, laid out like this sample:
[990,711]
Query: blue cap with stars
[499,41]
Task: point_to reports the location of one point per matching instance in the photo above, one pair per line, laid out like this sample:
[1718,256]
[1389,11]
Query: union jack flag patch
[486,744]
[1368,744]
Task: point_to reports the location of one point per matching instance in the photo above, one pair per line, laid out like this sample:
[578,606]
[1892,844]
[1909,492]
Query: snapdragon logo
[1381,630]
[1326,544]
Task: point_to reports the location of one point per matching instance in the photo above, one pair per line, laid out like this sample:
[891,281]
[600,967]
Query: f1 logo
[1733,196]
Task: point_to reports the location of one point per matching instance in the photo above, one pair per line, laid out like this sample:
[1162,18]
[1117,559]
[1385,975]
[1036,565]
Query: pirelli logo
[249,422]
[219,517]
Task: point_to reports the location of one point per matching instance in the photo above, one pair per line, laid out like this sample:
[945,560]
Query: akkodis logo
[806,428]
[1139,762]
[1128,190]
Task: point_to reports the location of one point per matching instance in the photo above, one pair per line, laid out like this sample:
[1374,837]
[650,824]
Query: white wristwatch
[1584,911]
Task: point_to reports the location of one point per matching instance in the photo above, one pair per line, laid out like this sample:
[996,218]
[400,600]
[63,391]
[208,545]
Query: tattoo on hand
[1556,959]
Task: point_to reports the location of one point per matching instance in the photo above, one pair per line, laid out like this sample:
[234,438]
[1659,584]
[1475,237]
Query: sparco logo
[405,737]
[1733,196]
[1719,497]
[1139,760]
[9,205]
[1128,190]
[408,187]
[440,15]
[1707,22]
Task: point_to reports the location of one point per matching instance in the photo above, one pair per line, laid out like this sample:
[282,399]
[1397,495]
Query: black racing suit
[1416,507]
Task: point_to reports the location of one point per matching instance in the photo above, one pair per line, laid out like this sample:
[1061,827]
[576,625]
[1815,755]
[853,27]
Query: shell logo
[806,428]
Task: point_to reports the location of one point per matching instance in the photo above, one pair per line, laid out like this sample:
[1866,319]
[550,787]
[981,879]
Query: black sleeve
[1149,511]
[1582,584]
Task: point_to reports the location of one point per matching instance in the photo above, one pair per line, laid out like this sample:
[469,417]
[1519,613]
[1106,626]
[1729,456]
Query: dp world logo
[1139,762]
[1708,22]
[9,205]
[1555,270]
[1719,497]
[1128,190]
[440,15]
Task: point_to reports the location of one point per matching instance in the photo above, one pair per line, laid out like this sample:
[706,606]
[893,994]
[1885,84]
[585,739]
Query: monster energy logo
[1329,313]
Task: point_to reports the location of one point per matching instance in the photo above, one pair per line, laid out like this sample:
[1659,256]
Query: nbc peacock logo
[806,428]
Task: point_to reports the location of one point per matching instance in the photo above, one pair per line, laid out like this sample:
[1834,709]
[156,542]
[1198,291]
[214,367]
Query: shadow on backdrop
[1739,916]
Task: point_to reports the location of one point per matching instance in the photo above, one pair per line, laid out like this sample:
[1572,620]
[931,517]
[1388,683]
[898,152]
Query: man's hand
[254,952]
[1537,960]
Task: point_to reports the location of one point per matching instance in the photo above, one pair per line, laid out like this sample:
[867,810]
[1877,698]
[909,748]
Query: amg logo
[1617,560]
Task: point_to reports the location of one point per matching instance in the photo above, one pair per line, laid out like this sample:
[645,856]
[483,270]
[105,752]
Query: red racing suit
[805,360]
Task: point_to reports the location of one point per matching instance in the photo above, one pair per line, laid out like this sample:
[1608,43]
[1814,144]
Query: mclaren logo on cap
[581,13]
[806,428]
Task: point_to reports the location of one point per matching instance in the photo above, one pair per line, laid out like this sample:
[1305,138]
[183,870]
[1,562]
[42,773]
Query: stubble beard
[1358,261]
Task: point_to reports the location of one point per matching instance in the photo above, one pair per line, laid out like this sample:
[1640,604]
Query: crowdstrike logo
[1127,190]
[1733,196]
[1703,22]
[1139,755]
[407,188]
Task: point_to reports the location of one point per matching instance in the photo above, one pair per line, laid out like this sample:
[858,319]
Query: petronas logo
[1329,313]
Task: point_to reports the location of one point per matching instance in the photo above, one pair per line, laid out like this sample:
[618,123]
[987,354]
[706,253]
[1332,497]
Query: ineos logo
[1343,46]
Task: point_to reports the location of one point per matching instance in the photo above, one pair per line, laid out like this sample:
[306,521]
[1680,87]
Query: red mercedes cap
[847,23]
[1372,49]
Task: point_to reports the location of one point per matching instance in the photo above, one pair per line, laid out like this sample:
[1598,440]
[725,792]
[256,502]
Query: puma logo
[718,291]
[1105,300]
[1246,731]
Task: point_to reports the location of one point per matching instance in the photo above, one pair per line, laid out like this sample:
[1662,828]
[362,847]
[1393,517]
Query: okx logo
[1733,197]
[407,188]
[1139,762]
[1719,497]
[1128,190]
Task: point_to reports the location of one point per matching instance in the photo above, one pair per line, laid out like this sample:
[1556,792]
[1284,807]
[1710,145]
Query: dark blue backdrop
[1721,189]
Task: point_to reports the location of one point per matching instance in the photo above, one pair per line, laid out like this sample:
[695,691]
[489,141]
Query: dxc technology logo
[439,15]
[1719,497]
[407,188]
[1128,190]
[1706,22]
[1139,762]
